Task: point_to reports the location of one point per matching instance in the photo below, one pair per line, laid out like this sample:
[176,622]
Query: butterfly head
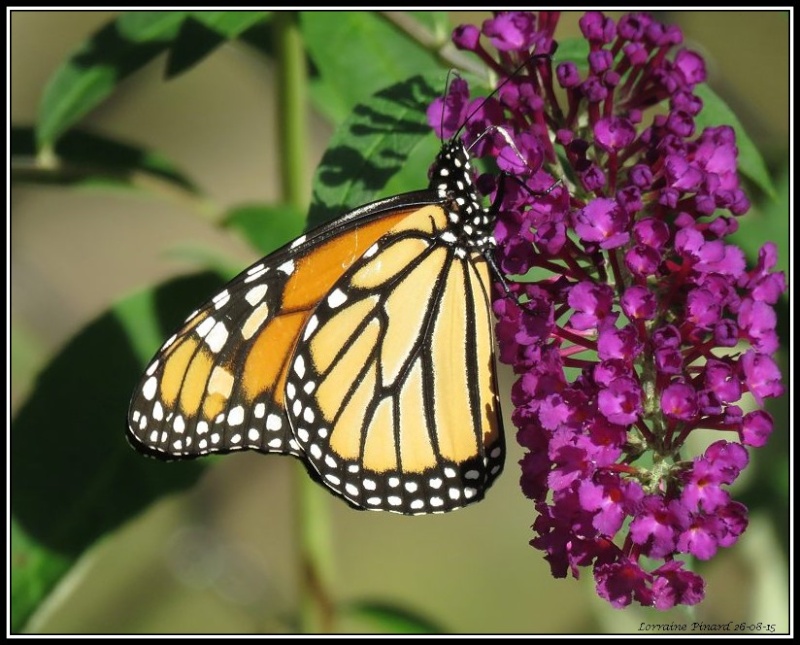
[451,178]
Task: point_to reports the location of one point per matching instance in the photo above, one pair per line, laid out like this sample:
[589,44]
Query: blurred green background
[222,556]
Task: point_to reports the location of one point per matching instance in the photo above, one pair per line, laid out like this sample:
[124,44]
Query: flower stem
[312,518]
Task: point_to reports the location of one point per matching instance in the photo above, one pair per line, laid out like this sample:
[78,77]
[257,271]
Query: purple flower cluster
[634,323]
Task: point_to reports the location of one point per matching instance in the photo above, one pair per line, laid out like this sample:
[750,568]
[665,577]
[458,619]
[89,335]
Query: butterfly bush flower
[633,323]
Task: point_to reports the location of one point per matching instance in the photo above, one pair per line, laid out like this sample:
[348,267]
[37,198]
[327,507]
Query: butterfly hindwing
[391,391]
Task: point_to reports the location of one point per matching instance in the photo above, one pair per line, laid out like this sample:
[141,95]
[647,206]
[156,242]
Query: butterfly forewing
[218,384]
[392,388]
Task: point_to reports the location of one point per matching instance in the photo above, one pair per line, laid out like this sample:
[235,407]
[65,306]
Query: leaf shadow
[370,148]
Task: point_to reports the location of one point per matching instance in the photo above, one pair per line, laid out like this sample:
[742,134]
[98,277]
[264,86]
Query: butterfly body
[364,348]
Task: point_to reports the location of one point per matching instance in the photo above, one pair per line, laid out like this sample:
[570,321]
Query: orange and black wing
[391,389]
[218,384]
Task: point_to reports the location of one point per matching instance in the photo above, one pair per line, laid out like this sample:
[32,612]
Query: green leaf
[266,227]
[768,221]
[87,158]
[349,44]
[203,31]
[716,112]
[230,24]
[34,571]
[75,478]
[371,147]
[92,73]
[387,618]
[573,50]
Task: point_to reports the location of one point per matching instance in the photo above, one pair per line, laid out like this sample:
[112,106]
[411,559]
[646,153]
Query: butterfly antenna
[498,88]
[444,98]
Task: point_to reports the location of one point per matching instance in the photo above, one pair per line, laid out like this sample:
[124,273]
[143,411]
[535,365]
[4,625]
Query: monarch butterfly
[364,348]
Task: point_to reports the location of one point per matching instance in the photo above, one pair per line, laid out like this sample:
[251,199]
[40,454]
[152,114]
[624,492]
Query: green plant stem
[312,515]
[291,96]
[437,44]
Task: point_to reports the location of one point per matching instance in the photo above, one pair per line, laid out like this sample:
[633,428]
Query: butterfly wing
[391,390]
[217,384]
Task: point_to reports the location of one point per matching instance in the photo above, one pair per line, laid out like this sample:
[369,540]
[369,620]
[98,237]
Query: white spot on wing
[311,325]
[256,275]
[149,388]
[221,299]
[217,336]
[336,298]
[287,267]
[299,366]
[256,294]
[236,416]
[204,327]
[274,422]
